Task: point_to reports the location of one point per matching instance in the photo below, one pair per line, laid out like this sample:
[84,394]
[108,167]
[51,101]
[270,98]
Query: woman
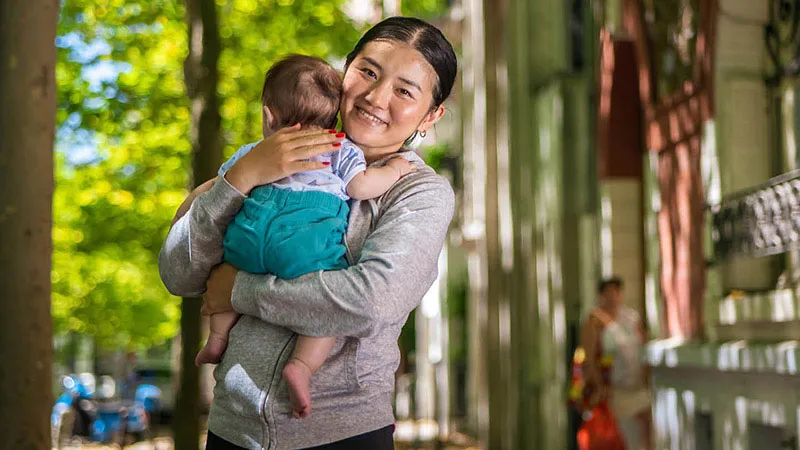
[613,329]
[396,79]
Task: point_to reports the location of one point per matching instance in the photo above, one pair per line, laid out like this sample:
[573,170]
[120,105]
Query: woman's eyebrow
[404,80]
[410,83]
[373,62]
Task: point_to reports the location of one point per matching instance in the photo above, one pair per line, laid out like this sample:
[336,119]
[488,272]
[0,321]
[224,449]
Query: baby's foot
[212,352]
[297,376]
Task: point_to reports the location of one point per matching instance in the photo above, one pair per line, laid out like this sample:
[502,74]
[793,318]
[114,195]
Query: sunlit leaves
[121,169]
[424,9]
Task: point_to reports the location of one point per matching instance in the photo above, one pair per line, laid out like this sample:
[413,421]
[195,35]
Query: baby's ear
[268,122]
[269,118]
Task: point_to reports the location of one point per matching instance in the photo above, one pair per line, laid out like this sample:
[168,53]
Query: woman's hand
[219,289]
[284,153]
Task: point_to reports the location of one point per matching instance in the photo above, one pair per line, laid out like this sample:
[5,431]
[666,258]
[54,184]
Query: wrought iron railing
[761,221]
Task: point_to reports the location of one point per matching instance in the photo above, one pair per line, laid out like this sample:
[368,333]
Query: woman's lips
[369,118]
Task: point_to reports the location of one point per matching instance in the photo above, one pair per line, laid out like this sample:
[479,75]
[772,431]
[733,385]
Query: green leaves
[122,109]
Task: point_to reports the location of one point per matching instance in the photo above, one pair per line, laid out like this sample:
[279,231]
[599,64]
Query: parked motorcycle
[81,413]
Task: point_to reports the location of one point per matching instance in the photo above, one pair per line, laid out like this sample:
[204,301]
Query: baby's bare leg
[219,326]
[309,355]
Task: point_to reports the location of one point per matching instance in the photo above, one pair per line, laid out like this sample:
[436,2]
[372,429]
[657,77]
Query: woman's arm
[194,243]
[187,203]
[397,266]
[592,372]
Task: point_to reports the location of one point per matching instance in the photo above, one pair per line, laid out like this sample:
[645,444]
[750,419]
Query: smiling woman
[396,79]
[387,96]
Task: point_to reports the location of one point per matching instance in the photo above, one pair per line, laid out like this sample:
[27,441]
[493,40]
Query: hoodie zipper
[269,388]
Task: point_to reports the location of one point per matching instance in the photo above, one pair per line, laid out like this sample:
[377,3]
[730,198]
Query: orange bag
[600,431]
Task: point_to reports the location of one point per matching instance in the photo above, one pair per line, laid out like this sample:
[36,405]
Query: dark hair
[606,283]
[422,37]
[302,89]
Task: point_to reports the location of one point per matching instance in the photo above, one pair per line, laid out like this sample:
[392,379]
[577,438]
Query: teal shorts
[288,233]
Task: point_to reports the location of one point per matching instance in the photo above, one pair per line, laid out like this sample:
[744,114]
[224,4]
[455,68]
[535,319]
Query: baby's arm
[375,181]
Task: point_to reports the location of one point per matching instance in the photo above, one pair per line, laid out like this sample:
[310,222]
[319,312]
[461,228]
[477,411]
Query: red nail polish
[332,131]
[340,135]
[326,163]
[337,144]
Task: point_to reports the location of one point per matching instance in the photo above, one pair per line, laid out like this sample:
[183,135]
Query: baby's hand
[401,165]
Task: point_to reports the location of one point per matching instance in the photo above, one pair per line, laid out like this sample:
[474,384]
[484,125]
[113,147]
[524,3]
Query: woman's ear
[431,118]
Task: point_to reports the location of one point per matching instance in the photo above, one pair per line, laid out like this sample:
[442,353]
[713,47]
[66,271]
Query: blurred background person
[613,329]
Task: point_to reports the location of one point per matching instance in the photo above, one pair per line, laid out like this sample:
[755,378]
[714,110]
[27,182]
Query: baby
[297,225]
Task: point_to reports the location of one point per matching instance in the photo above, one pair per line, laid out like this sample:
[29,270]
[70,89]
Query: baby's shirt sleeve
[350,162]
[243,150]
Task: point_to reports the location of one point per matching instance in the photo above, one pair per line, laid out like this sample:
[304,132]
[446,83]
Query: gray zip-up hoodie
[393,243]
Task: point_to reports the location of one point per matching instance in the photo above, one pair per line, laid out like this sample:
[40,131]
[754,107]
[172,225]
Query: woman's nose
[378,95]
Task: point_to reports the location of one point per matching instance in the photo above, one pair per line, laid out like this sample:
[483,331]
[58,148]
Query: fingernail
[325,163]
[340,135]
[332,131]
[337,144]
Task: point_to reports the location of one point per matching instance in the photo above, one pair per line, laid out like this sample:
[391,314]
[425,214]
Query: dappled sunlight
[606,75]
[606,237]
[730,356]
[788,108]
[783,306]
[652,304]
[662,350]
[504,213]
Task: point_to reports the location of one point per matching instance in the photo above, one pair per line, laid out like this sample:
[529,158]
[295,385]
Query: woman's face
[612,296]
[387,95]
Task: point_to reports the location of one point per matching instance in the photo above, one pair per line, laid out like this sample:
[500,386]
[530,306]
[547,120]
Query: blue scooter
[79,413]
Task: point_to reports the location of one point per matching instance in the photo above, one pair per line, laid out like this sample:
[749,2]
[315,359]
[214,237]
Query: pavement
[409,435]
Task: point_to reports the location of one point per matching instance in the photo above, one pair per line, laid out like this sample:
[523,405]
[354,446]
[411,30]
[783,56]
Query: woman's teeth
[370,117]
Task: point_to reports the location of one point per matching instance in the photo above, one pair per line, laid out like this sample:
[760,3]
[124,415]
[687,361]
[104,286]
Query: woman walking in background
[614,330]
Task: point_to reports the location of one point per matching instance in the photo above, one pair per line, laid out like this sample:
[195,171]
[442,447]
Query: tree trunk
[27,126]
[497,355]
[200,70]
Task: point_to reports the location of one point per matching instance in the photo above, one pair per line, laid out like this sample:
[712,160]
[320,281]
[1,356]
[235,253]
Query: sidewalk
[159,443]
[408,436]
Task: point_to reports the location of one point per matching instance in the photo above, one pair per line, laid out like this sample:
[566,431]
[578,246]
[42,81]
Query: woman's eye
[404,92]
[369,73]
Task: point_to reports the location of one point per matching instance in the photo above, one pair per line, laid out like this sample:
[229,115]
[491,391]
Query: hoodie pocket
[339,374]
[248,366]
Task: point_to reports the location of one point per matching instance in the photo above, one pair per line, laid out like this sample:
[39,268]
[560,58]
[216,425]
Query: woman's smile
[370,119]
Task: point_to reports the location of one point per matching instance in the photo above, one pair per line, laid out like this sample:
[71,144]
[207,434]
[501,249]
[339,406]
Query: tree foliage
[122,167]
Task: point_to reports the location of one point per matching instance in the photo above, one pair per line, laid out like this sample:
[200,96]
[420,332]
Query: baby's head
[300,89]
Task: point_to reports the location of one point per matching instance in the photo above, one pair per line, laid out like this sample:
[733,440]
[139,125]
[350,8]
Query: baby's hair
[302,89]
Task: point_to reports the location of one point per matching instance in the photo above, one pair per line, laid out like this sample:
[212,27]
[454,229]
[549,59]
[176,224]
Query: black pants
[374,440]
